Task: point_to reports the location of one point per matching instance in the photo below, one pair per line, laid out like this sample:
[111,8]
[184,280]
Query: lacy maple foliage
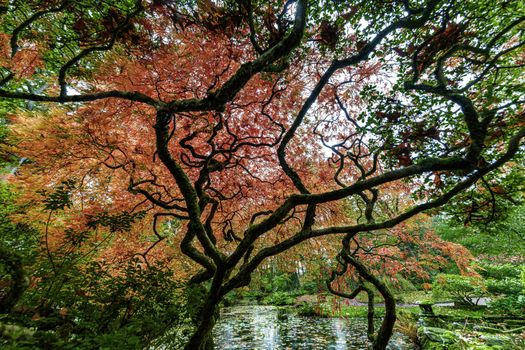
[108,146]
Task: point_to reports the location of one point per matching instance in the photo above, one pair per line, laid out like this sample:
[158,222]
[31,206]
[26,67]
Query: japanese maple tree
[252,124]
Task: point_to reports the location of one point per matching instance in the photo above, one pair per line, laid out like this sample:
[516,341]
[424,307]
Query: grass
[360,311]
[461,313]
[332,307]
[413,297]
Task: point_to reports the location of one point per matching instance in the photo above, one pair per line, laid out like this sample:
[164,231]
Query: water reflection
[339,331]
[270,328]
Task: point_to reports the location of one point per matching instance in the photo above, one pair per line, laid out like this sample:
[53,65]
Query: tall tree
[221,114]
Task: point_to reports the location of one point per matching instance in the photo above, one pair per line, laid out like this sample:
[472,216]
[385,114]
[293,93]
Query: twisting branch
[160,238]
[407,22]
[379,340]
[361,287]
[247,4]
[195,226]
[301,236]
[87,51]
[33,18]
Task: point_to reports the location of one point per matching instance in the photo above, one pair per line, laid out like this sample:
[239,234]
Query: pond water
[271,328]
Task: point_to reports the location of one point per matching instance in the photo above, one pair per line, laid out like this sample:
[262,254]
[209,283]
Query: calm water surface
[271,328]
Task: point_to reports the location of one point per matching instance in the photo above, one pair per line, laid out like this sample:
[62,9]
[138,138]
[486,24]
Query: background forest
[163,160]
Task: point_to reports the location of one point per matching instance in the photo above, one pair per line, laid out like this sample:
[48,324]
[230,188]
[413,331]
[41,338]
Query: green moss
[433,338]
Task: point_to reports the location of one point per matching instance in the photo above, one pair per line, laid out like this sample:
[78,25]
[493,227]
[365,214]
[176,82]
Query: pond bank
[451,333]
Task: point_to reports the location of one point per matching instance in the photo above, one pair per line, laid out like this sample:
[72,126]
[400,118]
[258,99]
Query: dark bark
[370,314]
[379,340]
[201,338]
[384,333]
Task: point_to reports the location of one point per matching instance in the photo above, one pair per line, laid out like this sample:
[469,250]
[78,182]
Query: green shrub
[130,307]
[507,286]
[307,309]
[252,295]
[279,299]
[310,287]
[512,304]
[500,271]
[513,291]
[461,289]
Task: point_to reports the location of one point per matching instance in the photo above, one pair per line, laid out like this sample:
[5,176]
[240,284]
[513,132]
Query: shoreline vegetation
[450,326]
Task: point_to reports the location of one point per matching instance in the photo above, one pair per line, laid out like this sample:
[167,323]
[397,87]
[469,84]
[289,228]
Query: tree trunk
[387,326]
[205,316]
[202,338]
[370,316]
